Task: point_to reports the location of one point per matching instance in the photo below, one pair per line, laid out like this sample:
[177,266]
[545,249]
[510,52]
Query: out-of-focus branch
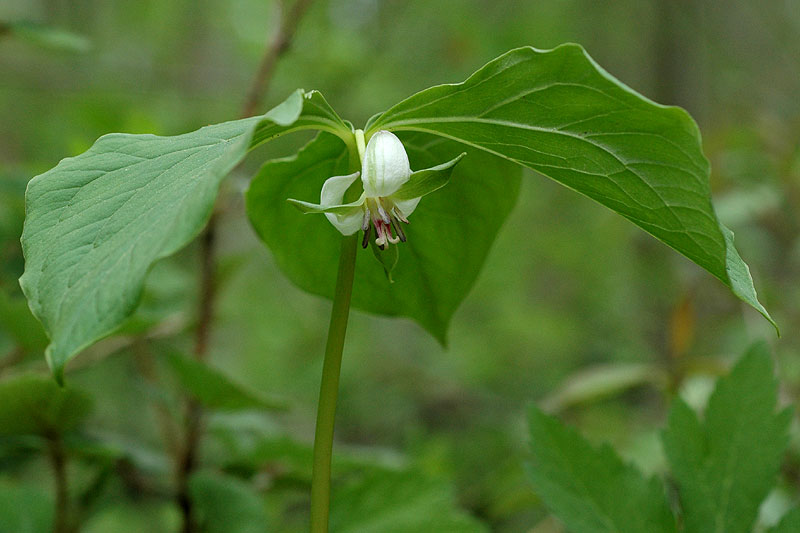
[187,459]
[290,20]
[58,461]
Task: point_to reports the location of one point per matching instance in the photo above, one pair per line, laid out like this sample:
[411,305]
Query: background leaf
[449,234]
[34,404]
[226,504]
[725,465]
[17,321]
[49,37]
[97,222]
[602,381]
[561,114]
[214,389]
[398,502]
[24,509]
[790,523]
[590,489]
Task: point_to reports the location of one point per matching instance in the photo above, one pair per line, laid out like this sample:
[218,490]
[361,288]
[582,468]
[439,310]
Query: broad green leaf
[97,222]
[725,465]
[590,489]
[398,502]
[226,504]
[214,389]
[561,114]
[449,234]
[790,523]
[31,404]
[25,509]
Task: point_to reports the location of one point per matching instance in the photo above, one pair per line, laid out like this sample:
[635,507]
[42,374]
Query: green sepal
[426,181]
[343,209]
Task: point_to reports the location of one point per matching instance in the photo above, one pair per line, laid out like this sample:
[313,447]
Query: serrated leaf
[449,234]
[97,222]
[31,404]
[398,502]
[225,504]
[790,523]
[590,489]
[725,465]
[559,113]
[214,389]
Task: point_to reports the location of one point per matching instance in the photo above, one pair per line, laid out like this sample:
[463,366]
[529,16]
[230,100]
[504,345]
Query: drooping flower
[391,192]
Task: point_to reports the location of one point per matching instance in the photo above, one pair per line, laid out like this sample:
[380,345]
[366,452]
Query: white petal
[347,224]
[334,188]
[385,168]
[333,194]
[407,206]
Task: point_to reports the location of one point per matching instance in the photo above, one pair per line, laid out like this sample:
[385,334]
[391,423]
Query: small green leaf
[31,404]
[226,504]
[49,37]
[25,509]
[559,113]
[398,502]
[426,181]
[790,523]
[449,234]
[388,258]
[725,465]
[602,381]
[590,489]
[97,222]
[214,389]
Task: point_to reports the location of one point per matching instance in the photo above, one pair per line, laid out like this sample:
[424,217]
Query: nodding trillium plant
[391,191]
[96,223]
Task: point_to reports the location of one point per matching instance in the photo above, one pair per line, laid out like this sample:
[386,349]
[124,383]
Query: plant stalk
[331,367]
[326,411]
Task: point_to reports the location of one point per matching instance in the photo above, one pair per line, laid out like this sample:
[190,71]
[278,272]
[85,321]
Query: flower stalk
[391,191]
[331,368]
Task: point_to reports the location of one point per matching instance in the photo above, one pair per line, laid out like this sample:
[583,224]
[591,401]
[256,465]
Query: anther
[398,229]
[367,231]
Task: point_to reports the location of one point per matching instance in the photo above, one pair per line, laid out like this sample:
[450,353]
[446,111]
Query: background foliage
[576,309]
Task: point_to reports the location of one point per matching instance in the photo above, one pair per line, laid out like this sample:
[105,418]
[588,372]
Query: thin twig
[145,364]
[280,45]
[187,461]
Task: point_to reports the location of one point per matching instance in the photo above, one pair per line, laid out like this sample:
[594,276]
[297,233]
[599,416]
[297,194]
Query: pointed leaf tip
[638,158]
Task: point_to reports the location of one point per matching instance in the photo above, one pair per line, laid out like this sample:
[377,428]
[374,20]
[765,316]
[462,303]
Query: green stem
[326,411]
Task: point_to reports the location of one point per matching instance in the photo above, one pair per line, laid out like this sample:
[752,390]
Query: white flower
[391,192]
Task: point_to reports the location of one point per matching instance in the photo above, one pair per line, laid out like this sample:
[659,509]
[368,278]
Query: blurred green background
[576,308]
